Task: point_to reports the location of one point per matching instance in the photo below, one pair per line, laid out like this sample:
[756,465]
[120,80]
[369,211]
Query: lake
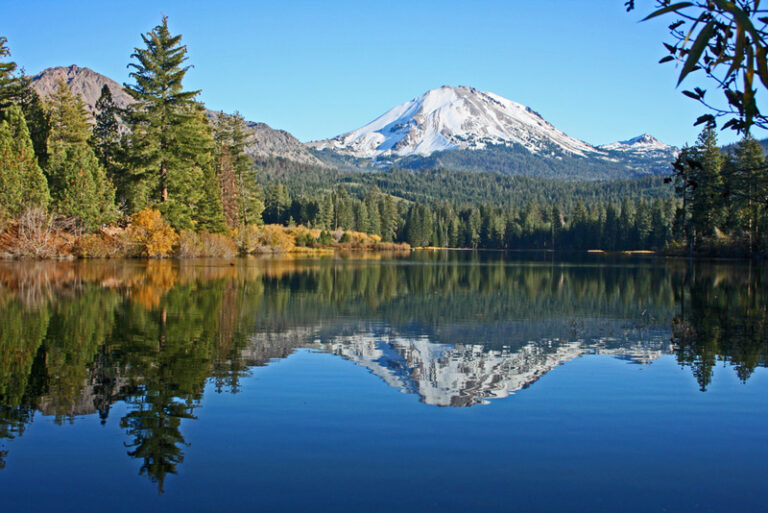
[449,381]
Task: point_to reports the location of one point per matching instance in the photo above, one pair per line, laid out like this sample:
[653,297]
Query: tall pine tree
[170,140]
[708,205]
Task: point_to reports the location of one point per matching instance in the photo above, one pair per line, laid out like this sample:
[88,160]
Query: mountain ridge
[262,142]
[454,128]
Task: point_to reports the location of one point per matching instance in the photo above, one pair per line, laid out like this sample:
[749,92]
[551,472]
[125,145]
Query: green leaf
[738,54]
[669,8]
[762,67]
[706,118]
[691,94]
[697,48]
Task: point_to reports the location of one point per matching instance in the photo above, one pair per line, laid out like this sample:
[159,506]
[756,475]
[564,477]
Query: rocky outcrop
[83,81]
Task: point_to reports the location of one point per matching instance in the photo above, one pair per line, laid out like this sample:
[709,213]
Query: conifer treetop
[159,72]
[9,82]
[69,118]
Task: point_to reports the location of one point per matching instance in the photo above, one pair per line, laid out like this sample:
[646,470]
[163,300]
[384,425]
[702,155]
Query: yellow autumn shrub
[151,235]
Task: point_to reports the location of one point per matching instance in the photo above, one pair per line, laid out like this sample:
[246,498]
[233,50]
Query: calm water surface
[431,382]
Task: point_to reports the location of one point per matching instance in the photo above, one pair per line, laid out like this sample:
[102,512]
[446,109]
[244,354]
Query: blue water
[317,431]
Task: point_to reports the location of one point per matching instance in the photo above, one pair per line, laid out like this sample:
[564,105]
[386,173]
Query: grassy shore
[36,235]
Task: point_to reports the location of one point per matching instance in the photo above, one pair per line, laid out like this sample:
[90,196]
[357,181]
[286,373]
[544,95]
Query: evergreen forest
[165,176]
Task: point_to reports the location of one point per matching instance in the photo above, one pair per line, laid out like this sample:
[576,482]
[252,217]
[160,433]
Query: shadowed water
[446,381]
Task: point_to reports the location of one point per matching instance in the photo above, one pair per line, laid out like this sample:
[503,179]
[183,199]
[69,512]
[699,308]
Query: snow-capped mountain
[450,118]
[642,155]
[464,129]
[643,145]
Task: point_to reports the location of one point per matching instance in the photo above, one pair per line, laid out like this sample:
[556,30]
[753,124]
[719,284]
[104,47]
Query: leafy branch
[728,42]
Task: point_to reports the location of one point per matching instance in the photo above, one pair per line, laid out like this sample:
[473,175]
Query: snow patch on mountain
[454,118]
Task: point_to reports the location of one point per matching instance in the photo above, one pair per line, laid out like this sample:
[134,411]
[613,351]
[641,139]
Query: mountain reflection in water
[456,330]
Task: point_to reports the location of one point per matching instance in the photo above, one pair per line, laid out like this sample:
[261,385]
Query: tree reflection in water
[78,337]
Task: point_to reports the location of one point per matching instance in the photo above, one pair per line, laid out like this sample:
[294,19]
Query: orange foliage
[266,238]
[152,236]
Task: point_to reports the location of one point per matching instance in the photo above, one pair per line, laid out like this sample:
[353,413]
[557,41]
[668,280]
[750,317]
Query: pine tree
[170,140]
[748,185]
[277,204]
[419,226]
[210,214]
[361,217]
[556,225]
[372,208]
[611,228]
[579,226]
[659,228]
[454,231]
[326,214]
[345,216]
[105,138]
[472,229]
[9,82]
[708,208]
[388,219]
[643,223]
[227,186]
[37,118]
[240,192]
[68,116]
[626,225]
[78,183]
[22,183]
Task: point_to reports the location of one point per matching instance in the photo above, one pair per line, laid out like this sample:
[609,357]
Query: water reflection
[76,338]
[468,374]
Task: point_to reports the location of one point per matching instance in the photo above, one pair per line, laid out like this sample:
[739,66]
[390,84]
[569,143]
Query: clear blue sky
[322,68]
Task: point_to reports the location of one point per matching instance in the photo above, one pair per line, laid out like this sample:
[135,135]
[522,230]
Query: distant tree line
[625,225]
